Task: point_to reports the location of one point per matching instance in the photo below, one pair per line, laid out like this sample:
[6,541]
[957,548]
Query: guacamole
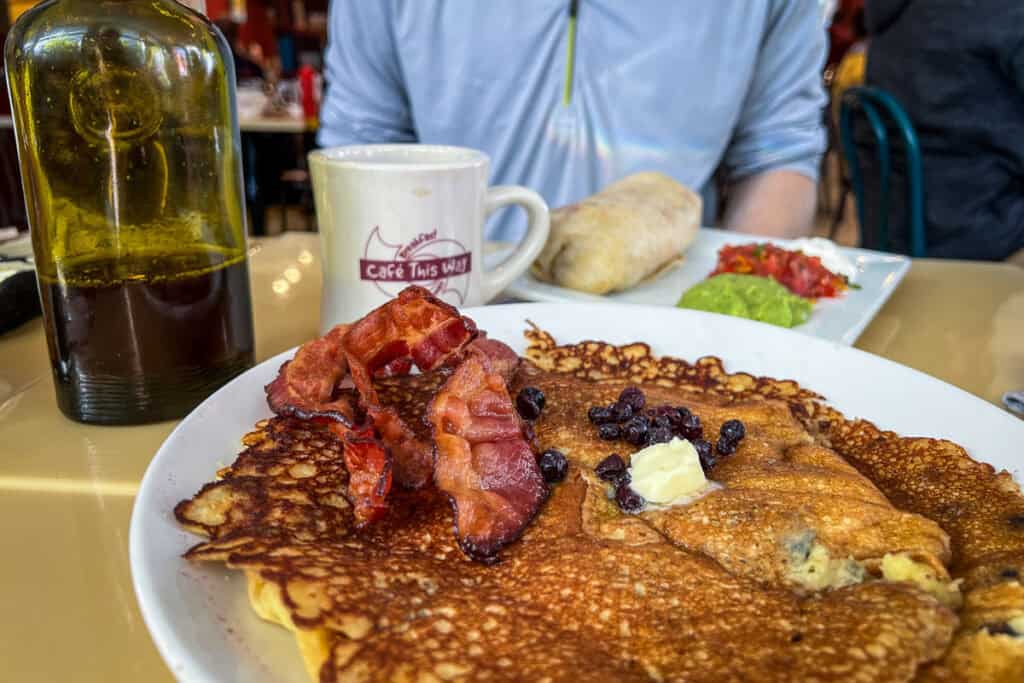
[748,296]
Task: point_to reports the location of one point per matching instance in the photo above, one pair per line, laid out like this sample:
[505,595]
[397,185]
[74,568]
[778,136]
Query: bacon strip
[306,387]
[369,472]
[415,326]
[483,462]
[503,359]
[413,457]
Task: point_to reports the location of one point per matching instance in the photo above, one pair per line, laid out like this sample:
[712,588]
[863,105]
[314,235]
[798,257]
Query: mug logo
[440,265]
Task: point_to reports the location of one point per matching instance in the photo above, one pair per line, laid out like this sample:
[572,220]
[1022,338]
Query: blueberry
[662,421]
[635,431]
[611,468]
[733,430]
[690,427]
[553,465]
[678,415]
[659,435]
[725,447]
[530,402]
[705,453]
[634,398]
[599,415]
[621,411]
[609,431]
[628,499]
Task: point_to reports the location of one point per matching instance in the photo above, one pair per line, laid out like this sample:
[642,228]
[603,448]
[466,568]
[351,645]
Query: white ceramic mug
[394,215]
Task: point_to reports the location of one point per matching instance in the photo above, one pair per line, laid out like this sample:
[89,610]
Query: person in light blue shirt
[685,87]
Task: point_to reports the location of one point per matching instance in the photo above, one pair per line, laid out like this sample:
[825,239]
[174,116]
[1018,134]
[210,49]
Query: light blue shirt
[678,86]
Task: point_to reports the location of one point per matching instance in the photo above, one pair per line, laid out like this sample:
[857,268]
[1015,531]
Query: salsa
[801,274]
[748,296]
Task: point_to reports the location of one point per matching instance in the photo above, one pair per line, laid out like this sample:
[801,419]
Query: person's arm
[772,160]
[773,203]
[365,99]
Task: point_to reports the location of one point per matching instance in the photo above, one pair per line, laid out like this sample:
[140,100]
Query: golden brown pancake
[980,509]
[782,494]
[591,594]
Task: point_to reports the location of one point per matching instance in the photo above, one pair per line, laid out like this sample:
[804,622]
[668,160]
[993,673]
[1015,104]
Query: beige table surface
[68,611]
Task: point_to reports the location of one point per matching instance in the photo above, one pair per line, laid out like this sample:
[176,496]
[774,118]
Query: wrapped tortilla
[623,234]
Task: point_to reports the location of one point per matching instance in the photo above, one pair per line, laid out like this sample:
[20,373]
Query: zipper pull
[570,57]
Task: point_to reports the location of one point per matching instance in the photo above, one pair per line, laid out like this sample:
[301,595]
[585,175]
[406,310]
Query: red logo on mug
[441,265]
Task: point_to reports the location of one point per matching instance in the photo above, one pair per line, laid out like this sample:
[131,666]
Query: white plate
[199,614]
[841,319]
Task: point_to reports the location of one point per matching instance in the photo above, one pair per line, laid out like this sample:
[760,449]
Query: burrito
[623,234]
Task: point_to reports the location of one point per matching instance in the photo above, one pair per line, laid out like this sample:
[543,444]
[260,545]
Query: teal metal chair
[884,114]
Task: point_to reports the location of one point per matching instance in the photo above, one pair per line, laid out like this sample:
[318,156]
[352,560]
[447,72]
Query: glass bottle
[128,143]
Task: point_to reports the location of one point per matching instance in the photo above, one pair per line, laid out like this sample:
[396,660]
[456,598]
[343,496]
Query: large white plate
[842,319]
[199,615]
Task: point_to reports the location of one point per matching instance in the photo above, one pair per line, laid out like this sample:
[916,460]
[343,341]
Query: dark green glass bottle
[124,112]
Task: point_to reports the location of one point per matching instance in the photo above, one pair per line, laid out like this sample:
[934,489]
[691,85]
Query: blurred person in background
[683,88]
[957,67]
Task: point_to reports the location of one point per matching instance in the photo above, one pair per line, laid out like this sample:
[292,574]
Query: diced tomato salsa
[801,274]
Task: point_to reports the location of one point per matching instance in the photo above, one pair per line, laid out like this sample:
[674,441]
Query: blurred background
[279,45]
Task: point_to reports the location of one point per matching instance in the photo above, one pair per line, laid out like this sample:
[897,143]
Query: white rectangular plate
[841,320]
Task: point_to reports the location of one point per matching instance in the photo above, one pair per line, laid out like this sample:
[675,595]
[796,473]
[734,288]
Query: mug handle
[494,281]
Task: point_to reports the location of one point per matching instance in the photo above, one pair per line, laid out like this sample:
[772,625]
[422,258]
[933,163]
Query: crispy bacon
[416,326]
[412,456]
[307,386]
[503,359]
[483,462]
[369,472]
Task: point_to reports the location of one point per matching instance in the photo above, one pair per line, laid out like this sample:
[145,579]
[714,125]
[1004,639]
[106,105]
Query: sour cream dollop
[829,253]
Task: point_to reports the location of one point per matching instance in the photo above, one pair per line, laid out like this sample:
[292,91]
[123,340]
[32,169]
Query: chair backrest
[883,113]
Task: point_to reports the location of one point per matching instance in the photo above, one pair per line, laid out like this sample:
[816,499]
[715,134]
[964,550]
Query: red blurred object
[847,28]
[801,274]
[308,88]
[254,30]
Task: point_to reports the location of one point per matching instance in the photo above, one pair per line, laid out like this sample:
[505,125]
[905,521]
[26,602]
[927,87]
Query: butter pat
[667,474]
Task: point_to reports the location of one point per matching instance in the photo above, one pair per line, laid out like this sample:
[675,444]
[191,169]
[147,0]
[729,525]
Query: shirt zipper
[570,56]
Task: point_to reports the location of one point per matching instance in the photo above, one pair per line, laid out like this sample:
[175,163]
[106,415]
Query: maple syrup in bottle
[124,112]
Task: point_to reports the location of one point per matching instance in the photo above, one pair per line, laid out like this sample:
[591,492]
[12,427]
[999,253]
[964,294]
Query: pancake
[589,593]
[980,509]
[784,498]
